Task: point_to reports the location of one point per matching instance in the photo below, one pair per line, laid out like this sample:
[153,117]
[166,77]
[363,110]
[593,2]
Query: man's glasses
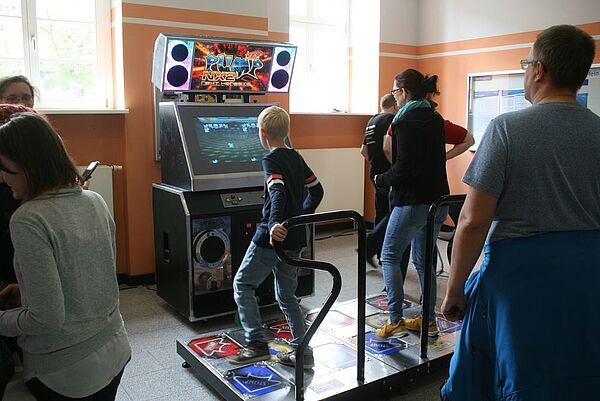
[13,99]
[394,91]
[525,63]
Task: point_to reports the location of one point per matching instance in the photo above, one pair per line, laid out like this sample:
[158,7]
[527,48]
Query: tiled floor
[155,371]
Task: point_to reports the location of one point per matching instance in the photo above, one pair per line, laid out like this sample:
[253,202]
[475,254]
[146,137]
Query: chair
[447,233]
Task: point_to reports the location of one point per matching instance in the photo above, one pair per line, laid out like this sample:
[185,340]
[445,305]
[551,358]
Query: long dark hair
[31,143]
[417,84]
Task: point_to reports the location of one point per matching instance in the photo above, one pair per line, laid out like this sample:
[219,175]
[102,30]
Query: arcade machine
[350,361]
[210,200]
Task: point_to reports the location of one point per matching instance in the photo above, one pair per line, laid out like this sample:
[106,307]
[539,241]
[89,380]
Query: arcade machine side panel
[171,244]
[174,166]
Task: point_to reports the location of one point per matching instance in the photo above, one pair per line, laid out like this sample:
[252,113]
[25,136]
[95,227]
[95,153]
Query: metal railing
[429,258]
[335,291]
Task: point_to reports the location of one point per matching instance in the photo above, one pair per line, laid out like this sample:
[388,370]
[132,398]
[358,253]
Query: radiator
[102,183]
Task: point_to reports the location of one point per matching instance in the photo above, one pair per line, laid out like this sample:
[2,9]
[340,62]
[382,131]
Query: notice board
[495,93]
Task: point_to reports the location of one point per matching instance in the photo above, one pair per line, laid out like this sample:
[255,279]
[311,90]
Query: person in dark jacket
[418,178]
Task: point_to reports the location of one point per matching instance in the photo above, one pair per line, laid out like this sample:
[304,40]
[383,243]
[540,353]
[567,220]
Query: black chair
[447,232]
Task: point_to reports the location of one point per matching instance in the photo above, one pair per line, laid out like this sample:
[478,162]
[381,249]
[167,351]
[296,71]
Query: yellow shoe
[392,330]
[415,324]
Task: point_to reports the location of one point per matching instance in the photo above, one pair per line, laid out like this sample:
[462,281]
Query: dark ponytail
[417,84]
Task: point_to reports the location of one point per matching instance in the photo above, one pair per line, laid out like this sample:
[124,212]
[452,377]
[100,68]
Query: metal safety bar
[429,255]
[335,291]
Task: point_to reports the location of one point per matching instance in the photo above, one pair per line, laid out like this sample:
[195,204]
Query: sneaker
[256,351]
[289,359]
[397,330]
[415,324]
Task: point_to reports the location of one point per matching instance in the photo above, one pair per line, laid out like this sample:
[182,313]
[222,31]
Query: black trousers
[382,203]
[41,392]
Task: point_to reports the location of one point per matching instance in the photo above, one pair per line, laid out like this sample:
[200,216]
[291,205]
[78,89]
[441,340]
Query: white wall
[341,172]
[253,8]
[279,15]
[452,20]
[399,20]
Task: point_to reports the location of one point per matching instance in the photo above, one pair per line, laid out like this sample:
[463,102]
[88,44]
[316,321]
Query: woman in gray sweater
[65,308]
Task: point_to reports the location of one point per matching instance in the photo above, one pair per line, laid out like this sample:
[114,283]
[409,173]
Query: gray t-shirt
[543,165]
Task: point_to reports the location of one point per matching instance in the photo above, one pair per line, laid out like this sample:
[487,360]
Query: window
[329,73]
[62,46]
[320,80]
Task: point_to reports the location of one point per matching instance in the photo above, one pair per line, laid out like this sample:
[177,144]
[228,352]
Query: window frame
[104,76]
[309,24]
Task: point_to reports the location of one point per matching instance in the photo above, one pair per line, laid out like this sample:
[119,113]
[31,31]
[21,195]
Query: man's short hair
[275,121]
[387,101]
[567,53]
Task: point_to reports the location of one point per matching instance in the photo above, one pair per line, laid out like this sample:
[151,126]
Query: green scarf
[412,104]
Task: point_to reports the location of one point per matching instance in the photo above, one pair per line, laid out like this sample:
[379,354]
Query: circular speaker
[283,58]
[177,75]
[211,248]
[280,79]
[179,52]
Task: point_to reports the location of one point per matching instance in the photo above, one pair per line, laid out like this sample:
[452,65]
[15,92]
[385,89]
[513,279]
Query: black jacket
[418,174]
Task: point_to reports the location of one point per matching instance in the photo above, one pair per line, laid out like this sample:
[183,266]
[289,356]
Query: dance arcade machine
[209,203]
[351,362]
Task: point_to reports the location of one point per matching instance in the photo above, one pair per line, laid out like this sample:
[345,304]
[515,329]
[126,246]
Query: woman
[417,178]
[64,309]
[8,205]
[17,89]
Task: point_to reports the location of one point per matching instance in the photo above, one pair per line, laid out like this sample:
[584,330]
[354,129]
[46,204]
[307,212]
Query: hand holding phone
[87,174]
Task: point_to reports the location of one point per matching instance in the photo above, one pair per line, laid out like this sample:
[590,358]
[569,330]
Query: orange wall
[100,137]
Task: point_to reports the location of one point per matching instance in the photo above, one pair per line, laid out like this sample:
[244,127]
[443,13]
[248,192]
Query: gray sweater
[65,265]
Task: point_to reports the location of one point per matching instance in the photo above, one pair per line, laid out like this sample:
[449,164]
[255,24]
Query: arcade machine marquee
[211,194]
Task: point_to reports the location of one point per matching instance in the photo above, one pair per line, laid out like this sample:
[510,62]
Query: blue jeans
[254,269]
[407,225]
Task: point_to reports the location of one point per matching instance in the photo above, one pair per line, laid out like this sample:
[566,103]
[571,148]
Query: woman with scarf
[418,178]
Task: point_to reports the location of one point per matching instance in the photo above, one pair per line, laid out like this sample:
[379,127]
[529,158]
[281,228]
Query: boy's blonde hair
[275,121]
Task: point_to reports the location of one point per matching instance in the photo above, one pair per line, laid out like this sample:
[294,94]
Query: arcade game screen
[228,67]
[228,144]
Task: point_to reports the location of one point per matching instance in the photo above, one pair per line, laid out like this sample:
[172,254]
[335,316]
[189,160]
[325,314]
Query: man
[372,151]
[536,172]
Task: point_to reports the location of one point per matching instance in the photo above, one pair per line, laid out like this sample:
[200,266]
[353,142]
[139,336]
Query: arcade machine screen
[223,139]
[228,144]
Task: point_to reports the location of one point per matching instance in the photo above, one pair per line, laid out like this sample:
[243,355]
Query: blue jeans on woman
[254,269]
[407,225]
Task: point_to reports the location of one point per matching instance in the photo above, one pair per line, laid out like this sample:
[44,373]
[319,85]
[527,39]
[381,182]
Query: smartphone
[86,175]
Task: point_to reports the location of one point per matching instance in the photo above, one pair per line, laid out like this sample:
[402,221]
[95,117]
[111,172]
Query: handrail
[429,250]
[335,291]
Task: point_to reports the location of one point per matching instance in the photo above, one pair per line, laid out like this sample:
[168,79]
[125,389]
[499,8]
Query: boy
[286,178]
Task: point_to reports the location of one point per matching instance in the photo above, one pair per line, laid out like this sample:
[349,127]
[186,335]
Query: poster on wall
[497,93]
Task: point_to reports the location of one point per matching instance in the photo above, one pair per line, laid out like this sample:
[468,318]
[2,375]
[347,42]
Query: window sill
[83,111]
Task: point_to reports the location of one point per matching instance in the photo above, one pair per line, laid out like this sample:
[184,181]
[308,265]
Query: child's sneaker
[255,351]
[415,324]
[392,330]
[289,359]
